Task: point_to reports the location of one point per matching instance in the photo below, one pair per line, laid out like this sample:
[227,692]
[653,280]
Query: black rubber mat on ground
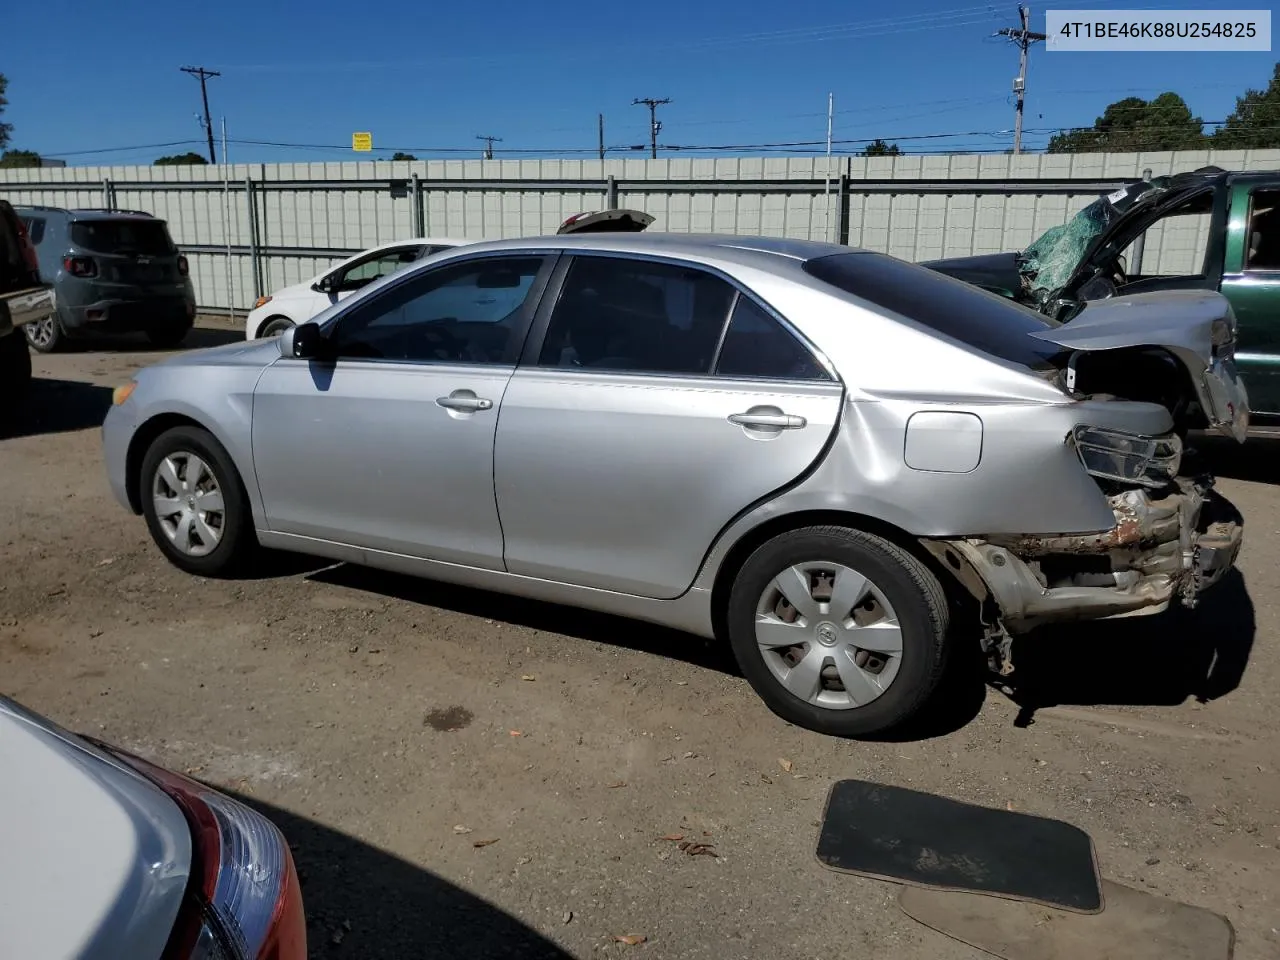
[905,836]
[1134,926]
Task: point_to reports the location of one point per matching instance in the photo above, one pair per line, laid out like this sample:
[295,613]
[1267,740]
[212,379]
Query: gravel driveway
[466,775]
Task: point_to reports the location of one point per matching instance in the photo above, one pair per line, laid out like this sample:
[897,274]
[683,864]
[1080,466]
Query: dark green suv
[113,271]
[1227,239]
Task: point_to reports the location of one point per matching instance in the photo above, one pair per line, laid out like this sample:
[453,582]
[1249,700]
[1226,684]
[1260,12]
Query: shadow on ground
[364,902]
[959,700]
[56,406]
[1159,660]
[1256,460]
[537,615]
[199,338]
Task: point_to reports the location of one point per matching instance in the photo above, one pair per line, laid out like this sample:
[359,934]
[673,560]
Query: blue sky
[423,76]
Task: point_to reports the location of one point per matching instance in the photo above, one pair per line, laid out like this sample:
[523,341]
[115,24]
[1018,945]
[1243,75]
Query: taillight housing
[80,266]
[243,897]
[183,267]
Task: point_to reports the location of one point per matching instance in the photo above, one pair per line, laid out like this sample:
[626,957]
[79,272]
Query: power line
[1023,37]
[204,76]
[654,124]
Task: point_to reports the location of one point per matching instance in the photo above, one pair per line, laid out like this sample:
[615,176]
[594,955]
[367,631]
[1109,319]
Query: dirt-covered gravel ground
[390,725]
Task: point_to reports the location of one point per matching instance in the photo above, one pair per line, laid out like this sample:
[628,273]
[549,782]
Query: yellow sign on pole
[362,142]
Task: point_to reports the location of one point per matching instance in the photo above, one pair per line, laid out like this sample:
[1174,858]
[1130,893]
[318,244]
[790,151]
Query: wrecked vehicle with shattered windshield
[1206,230]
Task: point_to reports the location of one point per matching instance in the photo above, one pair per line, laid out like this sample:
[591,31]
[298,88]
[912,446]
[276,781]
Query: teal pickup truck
[1221,230]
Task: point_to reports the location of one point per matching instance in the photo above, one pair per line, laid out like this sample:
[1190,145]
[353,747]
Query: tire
[233,540]
[828,650]
[45,336]
[275,326]
[15,371]
[168,337]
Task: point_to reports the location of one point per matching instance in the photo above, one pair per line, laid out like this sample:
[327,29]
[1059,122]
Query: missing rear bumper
[1162,548]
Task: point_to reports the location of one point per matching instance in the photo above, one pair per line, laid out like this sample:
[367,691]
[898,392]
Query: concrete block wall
[301,208]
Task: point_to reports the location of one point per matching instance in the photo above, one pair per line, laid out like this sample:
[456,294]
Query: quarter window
[1263,238]
[462,313]
[635,315]
[758,346]
[35,230]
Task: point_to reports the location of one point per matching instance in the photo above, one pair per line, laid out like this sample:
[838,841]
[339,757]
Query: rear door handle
[769,421]
[464,403]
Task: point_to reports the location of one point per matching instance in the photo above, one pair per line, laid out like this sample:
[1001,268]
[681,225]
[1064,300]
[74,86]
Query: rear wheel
[45,336]
[195,504]
[839,631]
[275,326]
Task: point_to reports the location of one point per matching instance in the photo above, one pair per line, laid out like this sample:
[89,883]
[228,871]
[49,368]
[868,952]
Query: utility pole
[204,76]
[600,124]
[488,144]
[1023,37]
[654,125]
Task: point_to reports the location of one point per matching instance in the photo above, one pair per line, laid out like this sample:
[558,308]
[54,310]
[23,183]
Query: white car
[105,855]
[285,308]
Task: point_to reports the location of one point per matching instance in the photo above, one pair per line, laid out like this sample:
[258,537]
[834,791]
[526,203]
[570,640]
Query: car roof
[764,252]
[87,213]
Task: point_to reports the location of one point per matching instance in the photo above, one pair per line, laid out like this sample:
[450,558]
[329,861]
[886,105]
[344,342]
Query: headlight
[1128,457]
[261,301]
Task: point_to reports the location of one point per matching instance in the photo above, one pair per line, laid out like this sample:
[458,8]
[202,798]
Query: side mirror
[325,284]
[303,342]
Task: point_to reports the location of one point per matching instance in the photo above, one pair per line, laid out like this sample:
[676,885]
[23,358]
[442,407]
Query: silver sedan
[838,463]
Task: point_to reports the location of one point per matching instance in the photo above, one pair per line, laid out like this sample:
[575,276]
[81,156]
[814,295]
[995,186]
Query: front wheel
[195,504]
[275,326]
[839,631]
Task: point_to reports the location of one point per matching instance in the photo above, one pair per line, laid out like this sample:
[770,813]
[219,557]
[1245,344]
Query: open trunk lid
[1197,328]
[607,221]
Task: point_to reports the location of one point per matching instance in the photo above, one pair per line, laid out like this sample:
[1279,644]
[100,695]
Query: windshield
[995,325]
[148,237]
[1051,259]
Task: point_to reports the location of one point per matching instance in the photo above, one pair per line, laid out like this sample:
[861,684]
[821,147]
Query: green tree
[1133,124]
[180,159]
[400,155]
[19,158]
[5,128]
[1255,122]
[878,148]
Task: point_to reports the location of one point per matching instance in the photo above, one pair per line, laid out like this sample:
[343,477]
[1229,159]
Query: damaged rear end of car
[1173,536]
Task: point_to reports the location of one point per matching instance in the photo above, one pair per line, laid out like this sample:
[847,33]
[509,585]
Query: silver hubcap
[829,635]
[188,503]
[276,327]
[41,331]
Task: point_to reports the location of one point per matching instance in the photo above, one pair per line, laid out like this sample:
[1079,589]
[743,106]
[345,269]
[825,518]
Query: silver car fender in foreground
[808,451]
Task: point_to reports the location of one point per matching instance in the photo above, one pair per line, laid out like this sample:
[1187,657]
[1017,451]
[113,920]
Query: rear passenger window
[759,346]
[635,315]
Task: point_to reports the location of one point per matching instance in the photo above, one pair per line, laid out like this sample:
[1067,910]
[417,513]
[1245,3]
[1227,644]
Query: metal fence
[249,229]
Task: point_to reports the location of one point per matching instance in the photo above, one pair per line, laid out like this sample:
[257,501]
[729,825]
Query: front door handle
[465,403]
[768,421]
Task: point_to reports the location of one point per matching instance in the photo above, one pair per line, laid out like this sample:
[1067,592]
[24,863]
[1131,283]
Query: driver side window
[467,312]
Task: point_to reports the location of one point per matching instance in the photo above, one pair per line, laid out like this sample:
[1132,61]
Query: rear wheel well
[142,439]
[754,538]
